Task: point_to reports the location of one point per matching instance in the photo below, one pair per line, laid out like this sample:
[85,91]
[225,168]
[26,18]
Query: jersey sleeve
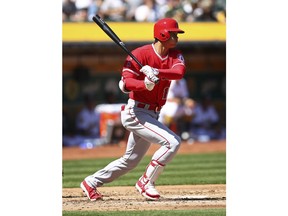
[131,75]
[177,69]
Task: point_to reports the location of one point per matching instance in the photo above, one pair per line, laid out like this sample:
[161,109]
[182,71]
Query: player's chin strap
[153,170]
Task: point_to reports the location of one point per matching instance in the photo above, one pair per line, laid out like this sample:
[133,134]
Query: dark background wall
[95,69]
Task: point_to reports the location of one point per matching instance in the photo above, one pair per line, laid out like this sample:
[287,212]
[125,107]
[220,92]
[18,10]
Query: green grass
[196,212]
[207,168]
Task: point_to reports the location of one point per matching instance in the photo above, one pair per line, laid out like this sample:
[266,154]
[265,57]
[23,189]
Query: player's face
[172,42]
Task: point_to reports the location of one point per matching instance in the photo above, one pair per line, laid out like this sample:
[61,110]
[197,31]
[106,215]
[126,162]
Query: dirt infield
[127,198]
[174,197]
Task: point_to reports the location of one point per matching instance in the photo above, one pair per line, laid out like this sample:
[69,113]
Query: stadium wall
[92,63]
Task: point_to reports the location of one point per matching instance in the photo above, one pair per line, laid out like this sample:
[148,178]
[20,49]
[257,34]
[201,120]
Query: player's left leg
[146,183]
[156,132]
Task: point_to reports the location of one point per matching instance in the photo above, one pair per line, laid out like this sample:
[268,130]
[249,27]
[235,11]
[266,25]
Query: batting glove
[151,73]
[149,84]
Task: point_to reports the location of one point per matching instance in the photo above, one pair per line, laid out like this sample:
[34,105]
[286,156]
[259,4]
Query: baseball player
[147,88]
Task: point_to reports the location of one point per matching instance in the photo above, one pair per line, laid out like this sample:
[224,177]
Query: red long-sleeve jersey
[170,67]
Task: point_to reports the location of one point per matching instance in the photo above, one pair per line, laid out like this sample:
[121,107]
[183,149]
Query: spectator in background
[113,10]
[93,8]
[68,10]
[195,11]
[125,10]
[161,2]
[206,10]
[82,10]
[220,10]
[204,124]
[82,3]
[68,133]
[178,109]
[131,7]
[207,14]
[174,9]
[81,15]
[88,121]
[147,12]
[87,126]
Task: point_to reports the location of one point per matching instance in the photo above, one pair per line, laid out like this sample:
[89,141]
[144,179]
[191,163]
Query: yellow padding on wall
[141,31]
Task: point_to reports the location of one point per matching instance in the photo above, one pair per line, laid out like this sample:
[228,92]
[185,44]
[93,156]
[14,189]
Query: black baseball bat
[105,27]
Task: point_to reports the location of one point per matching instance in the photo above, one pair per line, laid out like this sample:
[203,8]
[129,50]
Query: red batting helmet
[163,26]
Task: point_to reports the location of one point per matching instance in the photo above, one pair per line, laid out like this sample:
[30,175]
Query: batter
[147,88]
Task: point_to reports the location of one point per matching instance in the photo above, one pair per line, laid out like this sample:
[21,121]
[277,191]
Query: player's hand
[149,84]
[151,73]
[147,69]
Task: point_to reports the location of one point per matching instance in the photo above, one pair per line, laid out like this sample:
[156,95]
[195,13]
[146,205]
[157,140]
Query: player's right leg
[133,155]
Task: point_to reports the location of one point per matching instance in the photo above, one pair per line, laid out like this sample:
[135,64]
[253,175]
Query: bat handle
[136,60]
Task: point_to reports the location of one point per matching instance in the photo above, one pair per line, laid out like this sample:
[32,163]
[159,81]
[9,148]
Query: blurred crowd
[144,10]
[99,124]
[193,120]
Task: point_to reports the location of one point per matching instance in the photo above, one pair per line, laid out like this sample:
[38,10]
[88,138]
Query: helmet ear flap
[164,35]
